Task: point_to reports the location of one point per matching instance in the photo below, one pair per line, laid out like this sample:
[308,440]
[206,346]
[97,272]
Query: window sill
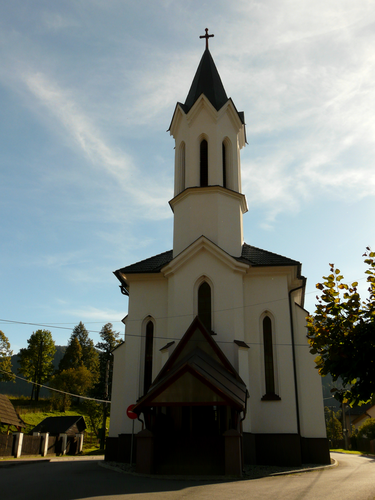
[271,397]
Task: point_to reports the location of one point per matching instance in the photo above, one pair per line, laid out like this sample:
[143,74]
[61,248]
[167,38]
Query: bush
[367,430]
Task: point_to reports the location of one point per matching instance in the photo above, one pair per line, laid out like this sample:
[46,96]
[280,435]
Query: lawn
[350,452]
[32,413]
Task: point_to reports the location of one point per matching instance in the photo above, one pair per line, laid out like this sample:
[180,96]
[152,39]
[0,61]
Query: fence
[19,444]
[364,445]
[6,445]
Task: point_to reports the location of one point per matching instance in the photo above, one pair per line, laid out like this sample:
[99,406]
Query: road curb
[126,469]
[15,462]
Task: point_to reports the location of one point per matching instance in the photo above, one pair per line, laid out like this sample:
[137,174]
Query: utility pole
[105,406]
[344,429]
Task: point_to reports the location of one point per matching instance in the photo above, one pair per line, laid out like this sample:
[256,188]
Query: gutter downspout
[294,355]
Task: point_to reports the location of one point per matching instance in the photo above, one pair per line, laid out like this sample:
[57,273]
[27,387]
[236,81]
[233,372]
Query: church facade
[215,357]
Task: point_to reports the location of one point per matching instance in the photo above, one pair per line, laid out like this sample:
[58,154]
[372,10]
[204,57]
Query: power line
[166,338]
[55,390]
[55,325]
[139,319]
[45,325]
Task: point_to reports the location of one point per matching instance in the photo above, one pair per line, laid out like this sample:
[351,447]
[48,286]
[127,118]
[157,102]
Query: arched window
[269,367]
[224,159]
[204,163]
[268,356]
[204,305]
[182,167]
[149,350]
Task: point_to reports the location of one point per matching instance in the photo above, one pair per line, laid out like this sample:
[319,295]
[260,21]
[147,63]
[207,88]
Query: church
[215,366]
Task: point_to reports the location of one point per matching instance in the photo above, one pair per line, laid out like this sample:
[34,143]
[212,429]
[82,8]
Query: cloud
[61,260]
[309,104]
[56,21]
[302,71]
[139,190]
[92,313]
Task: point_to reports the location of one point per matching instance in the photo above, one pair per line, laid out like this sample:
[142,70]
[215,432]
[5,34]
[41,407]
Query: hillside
[22,388]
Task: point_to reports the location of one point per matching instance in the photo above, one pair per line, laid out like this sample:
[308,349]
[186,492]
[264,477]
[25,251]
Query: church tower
[209,133]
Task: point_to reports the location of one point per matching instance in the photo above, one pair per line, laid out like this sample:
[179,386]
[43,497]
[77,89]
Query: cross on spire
[206,36]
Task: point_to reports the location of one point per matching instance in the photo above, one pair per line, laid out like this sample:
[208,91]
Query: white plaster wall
[204,122]
[265,291]
[125,387]
[213,212]
[239,301]
[148,297]
[226,299]
[310,392]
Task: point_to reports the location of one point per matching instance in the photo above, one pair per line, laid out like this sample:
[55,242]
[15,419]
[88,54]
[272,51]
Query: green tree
[77,381]
[5,360]
[86,354]
[73,357]
[333,425]
[367,430]
[95,413]
[36,361]
[342,334]
[109,341]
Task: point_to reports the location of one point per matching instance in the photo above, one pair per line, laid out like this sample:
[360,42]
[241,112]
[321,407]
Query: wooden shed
[8,415]
[70,425]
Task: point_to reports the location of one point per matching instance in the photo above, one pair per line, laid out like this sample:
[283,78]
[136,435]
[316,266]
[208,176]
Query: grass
[34,418]
[93,451]
[351,452]
[32,413]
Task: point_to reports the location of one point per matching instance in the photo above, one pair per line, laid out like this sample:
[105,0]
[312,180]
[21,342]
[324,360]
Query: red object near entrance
[130,413]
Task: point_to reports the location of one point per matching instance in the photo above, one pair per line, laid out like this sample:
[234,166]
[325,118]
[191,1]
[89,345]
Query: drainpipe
[294,354]
[245,410]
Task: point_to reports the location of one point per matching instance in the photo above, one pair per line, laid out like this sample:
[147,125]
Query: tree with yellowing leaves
[341,333]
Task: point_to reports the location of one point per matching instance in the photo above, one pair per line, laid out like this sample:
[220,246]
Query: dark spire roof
[207,81]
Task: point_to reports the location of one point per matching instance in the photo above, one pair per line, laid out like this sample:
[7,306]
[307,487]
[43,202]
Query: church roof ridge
[251,255]
[150,265]
[259,257]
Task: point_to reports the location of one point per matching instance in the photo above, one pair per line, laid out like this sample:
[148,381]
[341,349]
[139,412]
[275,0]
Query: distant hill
[22,388]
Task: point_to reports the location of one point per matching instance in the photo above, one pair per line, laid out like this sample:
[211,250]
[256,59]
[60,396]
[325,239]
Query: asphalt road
[63,479]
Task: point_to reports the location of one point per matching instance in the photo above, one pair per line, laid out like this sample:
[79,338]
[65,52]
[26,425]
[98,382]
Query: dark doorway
[192,442]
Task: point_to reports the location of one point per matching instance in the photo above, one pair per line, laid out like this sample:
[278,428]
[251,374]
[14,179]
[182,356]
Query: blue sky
[87,92]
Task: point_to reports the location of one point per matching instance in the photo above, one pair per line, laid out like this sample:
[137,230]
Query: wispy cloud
[58,21]
[94,314]
[311,97]
[61,260]
[91,142]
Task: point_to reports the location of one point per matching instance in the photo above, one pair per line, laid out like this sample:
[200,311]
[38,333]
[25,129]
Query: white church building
[215,356]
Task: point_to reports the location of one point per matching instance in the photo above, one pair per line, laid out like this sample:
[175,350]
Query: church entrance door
[192,442]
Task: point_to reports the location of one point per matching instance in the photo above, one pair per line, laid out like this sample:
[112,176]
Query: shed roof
[60,425]
[358,410]
[8,414]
